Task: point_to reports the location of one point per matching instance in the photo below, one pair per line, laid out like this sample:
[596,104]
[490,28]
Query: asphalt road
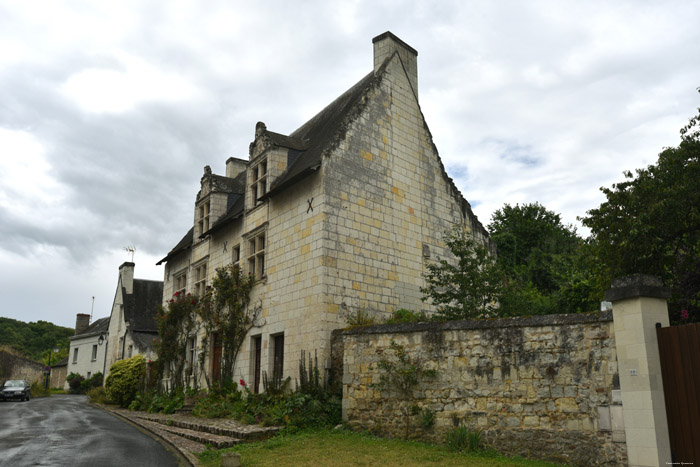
[64,430]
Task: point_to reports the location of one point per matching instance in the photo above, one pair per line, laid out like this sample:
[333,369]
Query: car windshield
[14,384]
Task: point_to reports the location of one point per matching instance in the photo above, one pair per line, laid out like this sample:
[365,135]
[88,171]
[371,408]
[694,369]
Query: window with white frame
[203,217]
[94,352]
[258,181]
[180,283]
[256,257]
[75,355]
[200,280]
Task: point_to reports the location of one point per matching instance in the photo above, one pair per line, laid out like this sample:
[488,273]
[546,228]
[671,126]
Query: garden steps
[203,438]
[221,427]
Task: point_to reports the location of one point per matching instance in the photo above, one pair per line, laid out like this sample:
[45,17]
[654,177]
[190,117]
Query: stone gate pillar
[639,303]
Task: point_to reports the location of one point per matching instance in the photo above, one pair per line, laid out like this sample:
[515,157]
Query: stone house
[86,354]
[338,216]
[59,371]
[132,326]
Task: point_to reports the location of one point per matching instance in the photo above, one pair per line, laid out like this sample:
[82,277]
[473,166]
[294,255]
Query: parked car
[16,389]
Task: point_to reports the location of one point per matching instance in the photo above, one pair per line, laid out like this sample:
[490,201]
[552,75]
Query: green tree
[546,265]
[467,287]
[650,223]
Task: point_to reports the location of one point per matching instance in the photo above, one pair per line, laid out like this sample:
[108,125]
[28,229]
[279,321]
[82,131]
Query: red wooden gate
[679,349]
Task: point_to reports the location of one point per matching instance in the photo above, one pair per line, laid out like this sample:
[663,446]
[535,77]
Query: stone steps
[203,438]
[233,430]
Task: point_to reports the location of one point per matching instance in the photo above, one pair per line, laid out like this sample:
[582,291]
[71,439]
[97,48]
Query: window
[190,353]
[180,283]
[236,255]
[258,183]
[203,218]
[256,259]
[89,374]
[94,352]
[200,278]
[75,355]
[130,352]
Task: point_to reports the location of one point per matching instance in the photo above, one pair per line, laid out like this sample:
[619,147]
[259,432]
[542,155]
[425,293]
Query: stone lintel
[637,285]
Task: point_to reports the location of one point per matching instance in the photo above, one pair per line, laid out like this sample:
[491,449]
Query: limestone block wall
[535,385]
[14,366]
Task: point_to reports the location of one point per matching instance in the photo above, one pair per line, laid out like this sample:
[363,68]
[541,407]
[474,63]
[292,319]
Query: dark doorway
[216,358]
[257,353]
[278,361]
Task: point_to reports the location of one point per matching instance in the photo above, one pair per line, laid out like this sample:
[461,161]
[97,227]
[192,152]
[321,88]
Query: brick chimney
[385,45]
[82,322]
[126,274]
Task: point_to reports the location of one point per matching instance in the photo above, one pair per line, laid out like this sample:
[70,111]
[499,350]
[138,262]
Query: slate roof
[62,362]
[144,340]
[99,326]
[141,306]
[182,245]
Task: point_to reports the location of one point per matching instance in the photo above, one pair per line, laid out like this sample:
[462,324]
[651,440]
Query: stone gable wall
[532,385]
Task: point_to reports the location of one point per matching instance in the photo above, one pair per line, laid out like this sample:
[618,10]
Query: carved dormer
[212,200]
[270,154]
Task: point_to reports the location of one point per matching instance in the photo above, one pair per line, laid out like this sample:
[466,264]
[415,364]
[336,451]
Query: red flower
[171,301]
[684,314]
[242,383]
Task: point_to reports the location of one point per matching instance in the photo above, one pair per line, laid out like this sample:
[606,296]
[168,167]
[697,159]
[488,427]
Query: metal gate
[679,349]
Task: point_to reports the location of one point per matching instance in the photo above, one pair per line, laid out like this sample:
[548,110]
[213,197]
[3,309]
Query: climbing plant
[225,309]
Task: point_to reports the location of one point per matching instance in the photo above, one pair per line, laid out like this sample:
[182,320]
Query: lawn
[341,448]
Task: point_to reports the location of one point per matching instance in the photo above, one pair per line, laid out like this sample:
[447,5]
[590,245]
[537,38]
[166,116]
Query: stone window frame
[236,255]
[190,351]
[94,353]
[256,254]
[75,355]
[200,278]
[203,212]
[180,282]
[257,182]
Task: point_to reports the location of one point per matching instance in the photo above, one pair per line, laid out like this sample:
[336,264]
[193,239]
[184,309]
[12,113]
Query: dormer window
[203,217]
[258,185]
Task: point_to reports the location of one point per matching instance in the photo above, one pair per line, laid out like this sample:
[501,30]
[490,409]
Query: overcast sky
[110,110]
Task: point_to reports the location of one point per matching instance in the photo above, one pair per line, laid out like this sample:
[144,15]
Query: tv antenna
[132,250]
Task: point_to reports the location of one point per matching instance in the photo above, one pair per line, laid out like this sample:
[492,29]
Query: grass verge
[347,448]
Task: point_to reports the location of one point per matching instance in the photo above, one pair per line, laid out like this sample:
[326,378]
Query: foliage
[403,316]
[311,404]
[402,374]
[155,402]
[650,223]
[324,447]
[34,340]
[463,439]
[546,266]
[98,395]
[427,418]
[225,310]
[125,379]
[177,321]
[359,318]
[38,390]
[75,382]
[465,289]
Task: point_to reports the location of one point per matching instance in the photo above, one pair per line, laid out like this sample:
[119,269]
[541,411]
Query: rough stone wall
[17,367]
[533,385]
[58,376]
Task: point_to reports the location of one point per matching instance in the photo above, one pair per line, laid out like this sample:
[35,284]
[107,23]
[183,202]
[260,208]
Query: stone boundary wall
[18,367]
[535,386]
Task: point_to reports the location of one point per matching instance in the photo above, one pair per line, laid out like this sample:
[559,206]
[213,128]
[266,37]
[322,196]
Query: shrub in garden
[98,395]
[125,379]
[75,382]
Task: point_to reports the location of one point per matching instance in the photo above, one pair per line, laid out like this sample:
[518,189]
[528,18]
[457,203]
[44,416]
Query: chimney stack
[385,45]
[126,274]
[82,322]
[235,166]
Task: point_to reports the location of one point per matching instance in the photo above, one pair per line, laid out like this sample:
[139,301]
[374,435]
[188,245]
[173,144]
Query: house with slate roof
[132,325]
[339,216]
[86,354]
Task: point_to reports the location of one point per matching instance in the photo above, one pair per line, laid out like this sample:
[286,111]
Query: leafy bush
[402,316]
[75,382]
[98,395]
[125,379]
[154,402]
[360,318]
[463,439]
[38,390]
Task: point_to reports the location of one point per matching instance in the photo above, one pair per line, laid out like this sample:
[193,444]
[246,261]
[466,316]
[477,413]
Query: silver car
[16,389]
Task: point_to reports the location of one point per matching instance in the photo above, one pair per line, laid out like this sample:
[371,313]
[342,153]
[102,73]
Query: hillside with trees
[34,340]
